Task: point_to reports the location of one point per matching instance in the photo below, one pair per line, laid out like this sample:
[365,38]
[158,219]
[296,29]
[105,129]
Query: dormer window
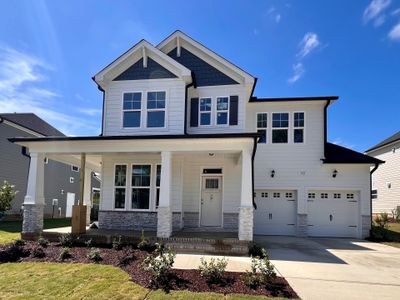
[155,109]
[132,109]
[205,111]
[222,110]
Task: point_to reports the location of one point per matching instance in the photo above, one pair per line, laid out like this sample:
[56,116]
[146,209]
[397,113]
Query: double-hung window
[158,180]
[262,125]
[140,197]
[280,126]
[120,186]
[155,109]
[205,111]
[222,110]
[298,127]
[132,104]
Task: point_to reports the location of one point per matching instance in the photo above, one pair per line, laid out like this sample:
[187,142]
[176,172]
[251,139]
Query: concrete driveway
[330,268]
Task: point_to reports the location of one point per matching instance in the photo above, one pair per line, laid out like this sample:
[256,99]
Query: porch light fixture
[211,154]
[272,173]
[334,174]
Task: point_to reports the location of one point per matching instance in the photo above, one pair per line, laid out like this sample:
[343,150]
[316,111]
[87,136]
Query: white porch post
[87,194]
[246,199]
[164,215]
[34,199]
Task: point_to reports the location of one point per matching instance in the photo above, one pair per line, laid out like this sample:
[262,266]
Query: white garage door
[275,213]
[333,213]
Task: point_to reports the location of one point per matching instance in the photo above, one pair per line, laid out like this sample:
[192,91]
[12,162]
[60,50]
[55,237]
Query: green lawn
[84,281]
[10,230]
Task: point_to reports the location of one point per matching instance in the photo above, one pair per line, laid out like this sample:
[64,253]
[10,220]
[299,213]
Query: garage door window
[337,196]
[324,195]
[311,195]
[289,195]
[277,195]
[264,195]
[350,196]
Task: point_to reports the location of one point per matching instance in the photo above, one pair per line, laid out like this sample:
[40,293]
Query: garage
[333,213]
[275,213]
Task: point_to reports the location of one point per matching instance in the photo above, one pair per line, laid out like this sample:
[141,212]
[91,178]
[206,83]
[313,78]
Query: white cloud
[90,111]
[308,44]
[22,78]
[278,18]
[298,71]
[274,14]
[394,34]
[375,10]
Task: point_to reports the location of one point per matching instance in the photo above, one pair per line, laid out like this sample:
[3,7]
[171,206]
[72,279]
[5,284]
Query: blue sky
[49,50]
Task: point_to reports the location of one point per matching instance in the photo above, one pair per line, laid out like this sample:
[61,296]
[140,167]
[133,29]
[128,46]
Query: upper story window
[280,126]
[132,104]
[222,110]
[262,125]
[155,109]
[205,111]
[298,127]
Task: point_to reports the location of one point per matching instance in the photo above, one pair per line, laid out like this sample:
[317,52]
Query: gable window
[205,111]
[119,186]
[158,180]
[155,109]
[262,125]
[141,186]
[298,127]
[222,110]
[280,126]
[132,104]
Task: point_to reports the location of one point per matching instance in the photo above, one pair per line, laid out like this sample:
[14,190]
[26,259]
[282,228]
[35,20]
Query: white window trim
[150,187]
[260,128]
[281,128]
[223,111]
[206,112]
[132,110]
[147,110]
[299,127]
[114,186]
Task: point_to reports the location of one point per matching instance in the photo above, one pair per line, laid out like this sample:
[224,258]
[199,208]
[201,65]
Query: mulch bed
[179,279]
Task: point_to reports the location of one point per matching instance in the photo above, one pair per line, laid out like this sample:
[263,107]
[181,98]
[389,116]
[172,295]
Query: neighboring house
[61,180]
[186,145]
[386,179]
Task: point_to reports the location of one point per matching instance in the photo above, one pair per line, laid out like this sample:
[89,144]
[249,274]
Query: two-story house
[186,145]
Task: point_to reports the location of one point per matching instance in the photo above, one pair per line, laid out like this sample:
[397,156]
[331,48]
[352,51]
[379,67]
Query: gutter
[370,191]
[326,124]
[192,84]
[252,169]
[102,112]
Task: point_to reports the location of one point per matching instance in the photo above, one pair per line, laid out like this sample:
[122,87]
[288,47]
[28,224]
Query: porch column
[34,199]
[87,194]
[79,211]
[246,199]
[164,214]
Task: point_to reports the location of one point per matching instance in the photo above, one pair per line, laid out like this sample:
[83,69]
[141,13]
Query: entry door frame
[72,195]
[222,190]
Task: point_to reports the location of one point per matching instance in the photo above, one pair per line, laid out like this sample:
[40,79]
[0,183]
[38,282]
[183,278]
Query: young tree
[7,194]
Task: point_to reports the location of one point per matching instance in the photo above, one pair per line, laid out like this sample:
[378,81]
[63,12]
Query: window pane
[155,100]
[120,175]
[141,175]
[119,198]
[151,96]
[280,136]
[132,100]
[156,119]
[222,118]
[211,183]
[262,121]
[158,177]
[140,198]
[298,119]
[205,104]
[222,103]
[298,136]
[280,120]
[131,119]
[157,197]
[263,138]
[205,119]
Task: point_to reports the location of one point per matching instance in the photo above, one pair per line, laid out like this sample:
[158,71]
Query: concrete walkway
[328,268]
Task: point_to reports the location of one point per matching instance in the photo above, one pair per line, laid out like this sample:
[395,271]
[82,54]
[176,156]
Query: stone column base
[33,218]
[246,223]
[88,211]
[302,225]
[164,222]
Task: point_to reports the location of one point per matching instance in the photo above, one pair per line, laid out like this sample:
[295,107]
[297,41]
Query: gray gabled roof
[394,138]
[336,154]
[32,122]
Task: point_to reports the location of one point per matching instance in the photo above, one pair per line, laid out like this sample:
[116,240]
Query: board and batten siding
[387,173]
[175,106]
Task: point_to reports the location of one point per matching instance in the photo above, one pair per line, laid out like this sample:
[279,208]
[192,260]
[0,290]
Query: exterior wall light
[272,173]
[211,154]
[334,174]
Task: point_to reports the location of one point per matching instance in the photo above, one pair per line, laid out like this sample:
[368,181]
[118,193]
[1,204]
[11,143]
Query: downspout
[370,192]
[192,84]
[326,125]
[252,169]
[102,112]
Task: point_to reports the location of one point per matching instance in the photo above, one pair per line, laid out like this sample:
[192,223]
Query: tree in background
[7,194]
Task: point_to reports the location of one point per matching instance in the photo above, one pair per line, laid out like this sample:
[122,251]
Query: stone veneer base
[33,218]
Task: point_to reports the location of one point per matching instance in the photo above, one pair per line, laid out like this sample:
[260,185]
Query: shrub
[66,240]
[38,252]
[65,254]
[89,243]
[159,264]
[127,257]
[117,243]
[42,242]
[94,255]
[19,243]
[256,251]
[7,194]
[396,214]
[261,270]
[145,244]
[214,270]
[382,220]
[12,253]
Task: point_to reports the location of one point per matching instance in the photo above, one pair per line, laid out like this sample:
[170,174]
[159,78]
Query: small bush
[382,220]
[94,255]
[214,270]
[256,251]
[65,254]
[261,270]
[159,264]
[117,243]
[66,240]
[89,243]
[396,214]
[144,244]
[42,242]
[12,253]
[127,257]
[38,252]
[19,243]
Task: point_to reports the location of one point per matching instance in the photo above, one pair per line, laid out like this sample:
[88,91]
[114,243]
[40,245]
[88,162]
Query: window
[222,110]
[280,125]
[298,130]
[374,194]
[337,196]
[262,125]
[75,168]
[277,195]
[311,195]
[141,186]
[71,180]
[132,104]
[264,195]
[212,171]
[324,195]
[350,196]
[119,186]
[205,111]
[155,109]
[289,195]
[158,181]
[212,183]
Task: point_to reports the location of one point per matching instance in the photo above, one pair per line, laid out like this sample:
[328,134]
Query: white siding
[175,94]
[389,172]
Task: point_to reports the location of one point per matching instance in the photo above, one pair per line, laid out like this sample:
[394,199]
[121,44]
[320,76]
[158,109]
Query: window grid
[156,103]
[140,186]
[277,195]
[289,195]
[350,196]
[280,127]
[264,195]
[131,109]
[337,195]
[298,127]
[262,125]
[222,111]
[311,195]
[205,111]
[120,182]
[324,195]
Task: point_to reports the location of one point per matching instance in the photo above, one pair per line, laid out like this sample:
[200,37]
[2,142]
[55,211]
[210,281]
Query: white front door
[211,201]
[70,203]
